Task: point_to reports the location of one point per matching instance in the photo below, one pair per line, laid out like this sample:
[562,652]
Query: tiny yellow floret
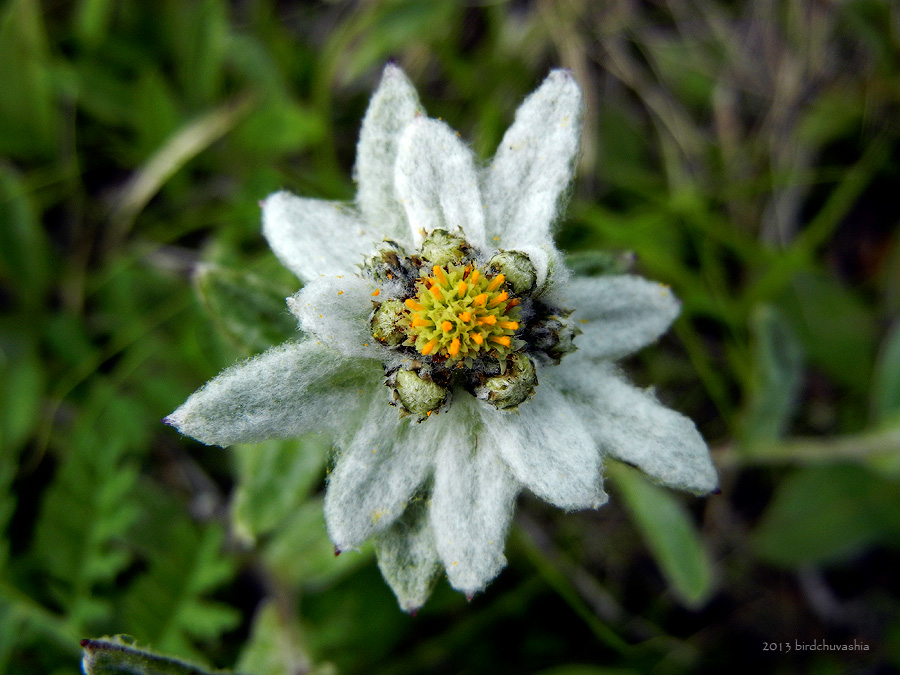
[500,298]
[465,317]
[446,326]
[413,305]
[453,349]
[428,348]
[501,340]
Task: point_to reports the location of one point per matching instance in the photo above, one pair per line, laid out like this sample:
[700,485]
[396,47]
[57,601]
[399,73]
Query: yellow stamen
[475,275]
[501,340]
[418,321]
[453,349]
[413,305]
[500,298]
[446,326]
[439,273]
[488,320]
[509,325]
[461,289]
[429,347]
[465,317]
[436,292]
[495,282]
[376,292]
[477,338]
[480,300]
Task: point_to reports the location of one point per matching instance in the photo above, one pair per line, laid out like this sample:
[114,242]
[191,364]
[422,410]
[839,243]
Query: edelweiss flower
[442,282]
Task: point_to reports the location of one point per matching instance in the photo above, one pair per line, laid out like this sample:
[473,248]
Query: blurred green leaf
[166,606]
[775,377]
[24,250]
[886,382]
[197,34]
[274,479]
[85,513]
[836,329]
[278,125]
[832,114]
[119,655]
[828,513]
[21,390]
[249,310]
[28,116]
[92,20]
[301,553]
[669,532]
[583,669]
[276,646]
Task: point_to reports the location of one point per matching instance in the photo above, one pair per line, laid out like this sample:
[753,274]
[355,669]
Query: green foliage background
[746,153]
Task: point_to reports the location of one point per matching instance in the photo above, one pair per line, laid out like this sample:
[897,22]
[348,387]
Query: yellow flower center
[460,312]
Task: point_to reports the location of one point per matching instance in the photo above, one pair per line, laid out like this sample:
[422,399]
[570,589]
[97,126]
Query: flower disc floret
[459,311]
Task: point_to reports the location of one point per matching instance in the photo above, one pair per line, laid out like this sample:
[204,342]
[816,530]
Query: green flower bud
[512,387]
[385,322]
[554,336]
[389,262]
[416,394]
[517,268]
[441,247]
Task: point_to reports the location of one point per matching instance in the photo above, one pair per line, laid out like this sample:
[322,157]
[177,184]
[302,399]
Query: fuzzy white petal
[630,425]
[407,557]
[526,183]
[393,106]
[288,391]
[312,237]
[437,183]
[472,502]
[336,311]
[618,315]
[548,448]
[375,475]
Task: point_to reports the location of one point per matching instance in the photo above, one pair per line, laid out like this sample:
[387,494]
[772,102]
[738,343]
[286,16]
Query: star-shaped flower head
[442,282]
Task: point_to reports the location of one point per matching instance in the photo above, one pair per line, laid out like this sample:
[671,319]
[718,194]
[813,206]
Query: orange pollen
[376,292]
[477,338]
[509,325]
[340,292]
[495,282]
[453,349]
[488,320]
[465,317]
[446,326]
[429,347]
[475,275]
[413,305]
[500,298]
[439,273]
[419,321]
[501,340]
[436,292]
[480,299]
[461,289]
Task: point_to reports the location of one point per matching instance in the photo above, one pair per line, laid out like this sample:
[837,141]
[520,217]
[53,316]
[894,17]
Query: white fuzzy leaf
[312,237]
[436,181]
[288,391]
[618,315]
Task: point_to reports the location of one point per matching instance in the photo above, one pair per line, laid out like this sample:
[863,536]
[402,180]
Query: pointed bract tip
[337,551]
[85,643]
[470,595]
[262,203]
[716,491]
[168,421]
